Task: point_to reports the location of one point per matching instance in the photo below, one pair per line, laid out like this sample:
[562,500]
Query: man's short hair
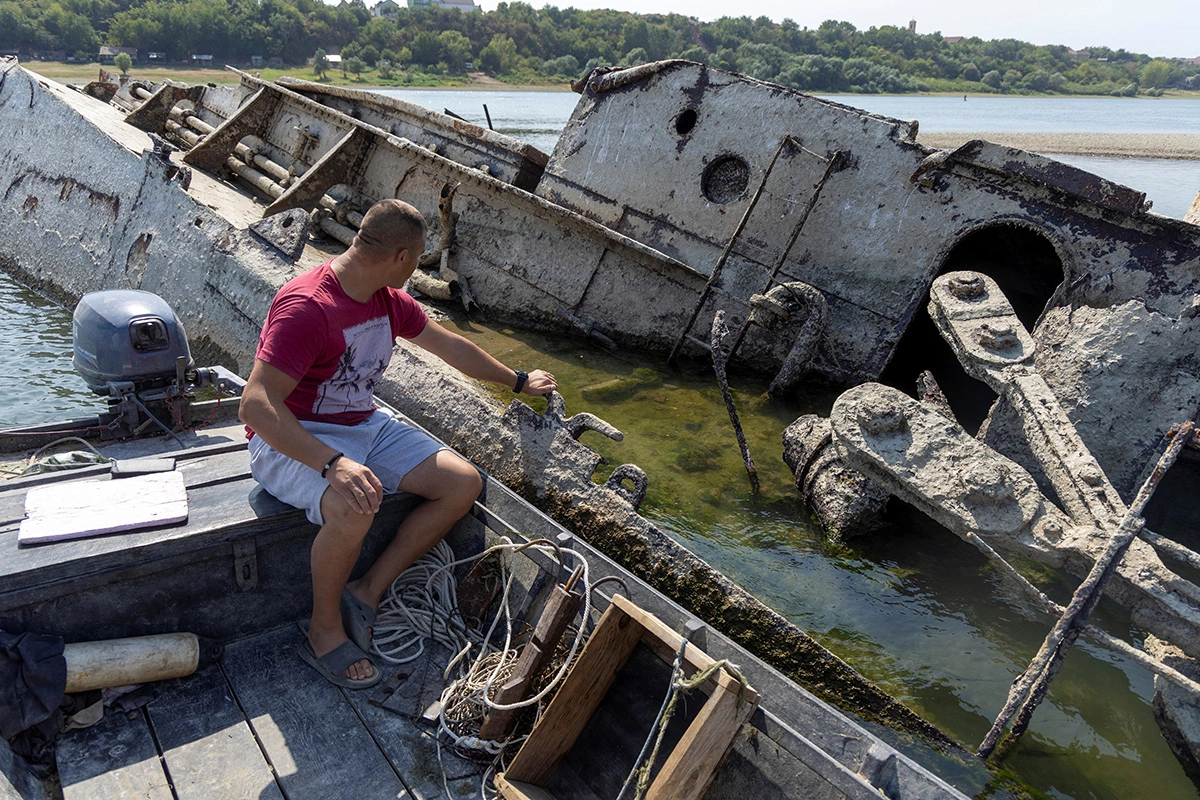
[390,226]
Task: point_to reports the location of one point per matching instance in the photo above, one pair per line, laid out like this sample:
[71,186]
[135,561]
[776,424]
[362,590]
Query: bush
[355,66]
[1037,81]
[563,65]
[637,55]
[992,79]
[594,63]
[970,72]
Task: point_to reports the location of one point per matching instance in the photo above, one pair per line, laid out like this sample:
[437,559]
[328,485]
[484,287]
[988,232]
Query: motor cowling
[131,347]
[127,335]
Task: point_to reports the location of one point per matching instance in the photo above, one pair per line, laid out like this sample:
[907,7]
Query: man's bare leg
[334,553]
[450,487]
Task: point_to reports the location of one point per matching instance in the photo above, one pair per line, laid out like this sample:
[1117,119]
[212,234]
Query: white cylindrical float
[121,662]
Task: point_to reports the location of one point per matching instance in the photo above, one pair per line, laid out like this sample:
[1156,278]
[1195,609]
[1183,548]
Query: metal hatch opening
[1028,269]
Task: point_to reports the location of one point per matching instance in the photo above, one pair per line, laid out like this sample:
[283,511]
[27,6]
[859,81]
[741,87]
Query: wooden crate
[688,769]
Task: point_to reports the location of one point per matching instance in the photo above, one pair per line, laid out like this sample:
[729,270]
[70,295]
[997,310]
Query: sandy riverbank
[1122,145]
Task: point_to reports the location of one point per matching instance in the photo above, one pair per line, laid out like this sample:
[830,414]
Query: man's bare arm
[469,358]
[262,407]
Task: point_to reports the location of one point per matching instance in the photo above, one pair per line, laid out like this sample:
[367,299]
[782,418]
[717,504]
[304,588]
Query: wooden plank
[200,467]
[609,745]
[517,790]
[658,635]
[691,766]
[306,725]
[410,746]
[216,513]
[90,508]
[206,741]
[606,651]
[116,757]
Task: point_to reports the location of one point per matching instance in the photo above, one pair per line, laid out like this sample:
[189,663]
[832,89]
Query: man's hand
[539,383]
[356,484]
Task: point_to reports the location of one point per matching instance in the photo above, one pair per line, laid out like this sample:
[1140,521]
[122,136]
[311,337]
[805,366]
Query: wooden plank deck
[262,724]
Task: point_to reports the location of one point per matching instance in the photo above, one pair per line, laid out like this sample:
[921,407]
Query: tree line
[519,43]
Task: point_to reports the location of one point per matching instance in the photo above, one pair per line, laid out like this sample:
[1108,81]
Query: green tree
[123,62]
[970,72]
[355,66]
[637,55]
[426,48]
[1155,74]
[1037,81]
[455,51]
[385,69]
[320,63]
[499,56]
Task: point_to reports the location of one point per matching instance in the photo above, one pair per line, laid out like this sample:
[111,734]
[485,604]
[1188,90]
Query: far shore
[1183,146]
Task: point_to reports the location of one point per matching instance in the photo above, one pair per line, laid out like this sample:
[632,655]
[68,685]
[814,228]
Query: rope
[422,604]
[639,776]
[77,459]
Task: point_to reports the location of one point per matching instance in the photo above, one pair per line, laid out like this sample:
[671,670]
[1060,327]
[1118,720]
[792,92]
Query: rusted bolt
[1051,530]
[987,483]
[998,335]
[881,417]
[1091,474]
[966,287]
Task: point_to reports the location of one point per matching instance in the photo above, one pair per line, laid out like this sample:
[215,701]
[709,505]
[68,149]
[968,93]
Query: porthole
[725,179]
[685,121]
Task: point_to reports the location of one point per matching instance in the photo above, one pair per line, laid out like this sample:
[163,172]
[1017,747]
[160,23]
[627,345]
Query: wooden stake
[1029,690]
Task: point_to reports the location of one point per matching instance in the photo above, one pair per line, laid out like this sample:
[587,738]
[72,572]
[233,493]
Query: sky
[1168,28]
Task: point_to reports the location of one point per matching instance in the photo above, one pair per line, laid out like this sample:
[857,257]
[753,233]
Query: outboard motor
[130,347]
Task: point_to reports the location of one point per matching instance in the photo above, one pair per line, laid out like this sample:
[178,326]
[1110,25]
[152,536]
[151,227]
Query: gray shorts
[388,447]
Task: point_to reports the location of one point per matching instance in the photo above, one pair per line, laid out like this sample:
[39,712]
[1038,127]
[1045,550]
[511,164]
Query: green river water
[913,608]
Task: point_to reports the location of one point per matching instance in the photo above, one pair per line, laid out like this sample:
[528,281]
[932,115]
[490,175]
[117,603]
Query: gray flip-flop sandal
[333,664]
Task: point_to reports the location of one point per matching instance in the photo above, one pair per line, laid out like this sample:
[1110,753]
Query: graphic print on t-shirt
[368,350]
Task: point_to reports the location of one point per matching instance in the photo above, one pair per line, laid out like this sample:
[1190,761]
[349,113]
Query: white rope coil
[422,604]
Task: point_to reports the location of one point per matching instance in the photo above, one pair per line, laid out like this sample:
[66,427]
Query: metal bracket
[245,564]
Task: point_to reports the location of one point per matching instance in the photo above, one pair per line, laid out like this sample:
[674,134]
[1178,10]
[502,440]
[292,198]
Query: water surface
[37,381]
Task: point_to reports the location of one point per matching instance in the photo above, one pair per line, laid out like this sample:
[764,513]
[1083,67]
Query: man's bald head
[390,226]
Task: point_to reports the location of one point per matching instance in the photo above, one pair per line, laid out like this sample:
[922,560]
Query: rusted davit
[994,503]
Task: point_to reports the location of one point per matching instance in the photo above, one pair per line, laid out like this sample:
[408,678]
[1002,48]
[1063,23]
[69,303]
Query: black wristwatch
[521,378]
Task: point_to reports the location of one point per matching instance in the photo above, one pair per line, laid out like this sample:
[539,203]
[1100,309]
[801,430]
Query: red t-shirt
[336,347]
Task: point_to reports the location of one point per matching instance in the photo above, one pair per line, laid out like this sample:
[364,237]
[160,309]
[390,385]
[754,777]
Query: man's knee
[464,480]
[443,476]
[343,521]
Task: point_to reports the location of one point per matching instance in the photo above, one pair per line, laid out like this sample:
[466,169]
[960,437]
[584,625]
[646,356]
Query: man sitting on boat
[318,442]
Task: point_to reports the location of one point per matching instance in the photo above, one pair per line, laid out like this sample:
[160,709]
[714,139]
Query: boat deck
[260,723]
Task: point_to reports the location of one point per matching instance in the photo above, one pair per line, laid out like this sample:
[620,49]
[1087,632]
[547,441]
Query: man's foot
[335,656]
